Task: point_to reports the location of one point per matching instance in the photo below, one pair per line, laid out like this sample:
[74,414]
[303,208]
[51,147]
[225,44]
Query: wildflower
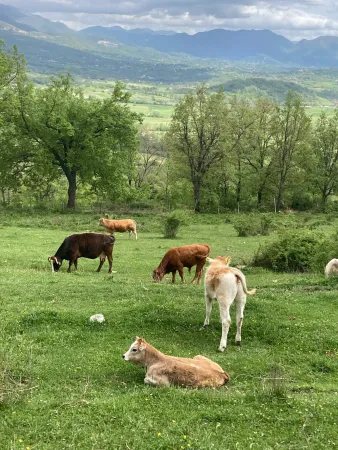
[159,434]
[184,437]
[173,421]
[20,440]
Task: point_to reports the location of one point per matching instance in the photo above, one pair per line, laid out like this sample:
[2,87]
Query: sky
[293,19]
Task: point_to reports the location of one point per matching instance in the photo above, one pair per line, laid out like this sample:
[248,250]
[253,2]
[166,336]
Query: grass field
[64,384]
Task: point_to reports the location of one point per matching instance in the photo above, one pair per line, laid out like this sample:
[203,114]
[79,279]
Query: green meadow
[64,384]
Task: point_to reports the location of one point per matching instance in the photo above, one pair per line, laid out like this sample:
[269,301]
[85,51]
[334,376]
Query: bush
[253,225]
[301,251]
[173,222]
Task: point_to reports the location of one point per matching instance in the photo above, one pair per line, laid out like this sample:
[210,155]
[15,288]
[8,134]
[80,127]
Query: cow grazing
[179,257]
[331,267]
[120,226]
[86,245]
[164,370]
[226,284]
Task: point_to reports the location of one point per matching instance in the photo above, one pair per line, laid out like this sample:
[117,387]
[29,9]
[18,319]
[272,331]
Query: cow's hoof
[221,349]
[238,343]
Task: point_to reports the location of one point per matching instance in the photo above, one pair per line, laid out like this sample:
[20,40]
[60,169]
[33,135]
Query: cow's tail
[241,278]
[112,239]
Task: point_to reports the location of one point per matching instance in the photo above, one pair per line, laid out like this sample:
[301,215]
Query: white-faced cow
[84,245]
[226,285]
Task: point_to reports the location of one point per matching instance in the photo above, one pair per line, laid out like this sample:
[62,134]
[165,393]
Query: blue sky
[295,20]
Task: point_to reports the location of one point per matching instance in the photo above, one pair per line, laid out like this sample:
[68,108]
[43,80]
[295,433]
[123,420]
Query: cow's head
[101,222]
[55,262]
[158,275]
[136,352]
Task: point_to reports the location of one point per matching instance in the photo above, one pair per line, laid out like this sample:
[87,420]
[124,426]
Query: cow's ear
[49,257]
[228,259]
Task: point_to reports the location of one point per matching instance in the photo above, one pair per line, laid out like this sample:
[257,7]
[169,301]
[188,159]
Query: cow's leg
[156,380]
[75,264]
[135,234]
[181,273]
[70,265]
[173,276]
[102,260]
[129,233]
[240,305]
[224,309]
[199,271]
[208,309]
[110,261]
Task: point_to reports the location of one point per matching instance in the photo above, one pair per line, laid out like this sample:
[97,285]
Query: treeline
[218,153]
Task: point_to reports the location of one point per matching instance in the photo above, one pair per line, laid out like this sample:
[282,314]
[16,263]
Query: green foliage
[253,224]
[89,140]
[173,222]
[198,114]
[296,251]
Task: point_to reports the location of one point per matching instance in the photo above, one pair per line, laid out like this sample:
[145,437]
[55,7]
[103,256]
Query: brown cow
[86,245]
[120,226]
[164,370]
[179,257]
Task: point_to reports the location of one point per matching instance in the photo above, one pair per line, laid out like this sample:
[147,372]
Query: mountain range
[143,54]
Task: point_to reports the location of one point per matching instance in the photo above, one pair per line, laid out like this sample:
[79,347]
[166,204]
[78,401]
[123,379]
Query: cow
[120,226]
[331,267]
[86,245]
[225,284]
[179,257]
[164,370]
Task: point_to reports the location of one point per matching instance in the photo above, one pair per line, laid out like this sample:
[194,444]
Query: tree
[259,145]
[149,158]
[88,140]
[291,137]
[195,135]
[241,121]
[325,151]
[13,155]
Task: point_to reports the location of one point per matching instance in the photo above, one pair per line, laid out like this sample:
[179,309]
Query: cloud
[295,20]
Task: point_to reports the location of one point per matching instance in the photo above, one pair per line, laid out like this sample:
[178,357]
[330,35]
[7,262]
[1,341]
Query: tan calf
[120,226]
[164,370]
[226,284]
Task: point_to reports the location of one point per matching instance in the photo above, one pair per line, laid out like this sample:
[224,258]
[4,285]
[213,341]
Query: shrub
[253,225]
[301,251]
[173,222]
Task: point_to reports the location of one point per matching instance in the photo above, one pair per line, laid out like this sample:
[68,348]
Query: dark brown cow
[85,245]
[185,256]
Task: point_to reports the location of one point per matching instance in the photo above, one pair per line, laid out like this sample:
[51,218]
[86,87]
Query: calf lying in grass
[164,370]
[226,285]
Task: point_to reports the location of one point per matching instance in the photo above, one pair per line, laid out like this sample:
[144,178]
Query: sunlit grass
[64,384]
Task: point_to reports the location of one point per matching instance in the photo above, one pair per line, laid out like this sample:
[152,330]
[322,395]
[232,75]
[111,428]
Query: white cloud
[295,20]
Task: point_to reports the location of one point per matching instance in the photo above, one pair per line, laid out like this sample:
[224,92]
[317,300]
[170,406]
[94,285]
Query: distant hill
[164,56]
[242,45]
[51,47]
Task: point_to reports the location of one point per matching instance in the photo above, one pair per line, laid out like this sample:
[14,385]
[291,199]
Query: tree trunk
[197,194]
[280,195]
[71,190]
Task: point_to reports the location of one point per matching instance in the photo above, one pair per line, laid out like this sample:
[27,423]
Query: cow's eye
[134,350]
